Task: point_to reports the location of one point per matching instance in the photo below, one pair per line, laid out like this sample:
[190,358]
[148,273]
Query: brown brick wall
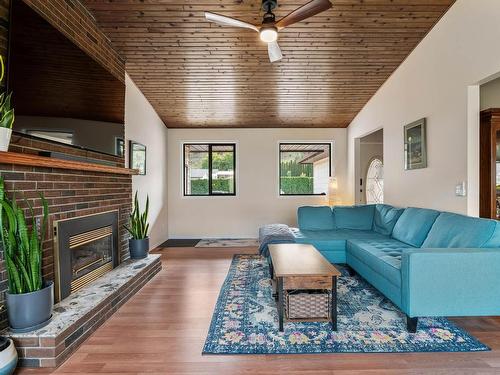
[69,193]
[77,23]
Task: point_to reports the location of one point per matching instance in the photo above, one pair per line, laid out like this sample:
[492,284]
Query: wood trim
[42,161]
[489,126]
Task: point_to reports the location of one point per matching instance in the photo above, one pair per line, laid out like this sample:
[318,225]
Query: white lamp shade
[333,192]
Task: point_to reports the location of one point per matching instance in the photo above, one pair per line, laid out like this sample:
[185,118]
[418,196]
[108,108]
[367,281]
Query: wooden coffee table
[299,266]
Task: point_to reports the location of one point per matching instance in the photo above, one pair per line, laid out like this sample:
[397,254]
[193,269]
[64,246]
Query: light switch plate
[461,189]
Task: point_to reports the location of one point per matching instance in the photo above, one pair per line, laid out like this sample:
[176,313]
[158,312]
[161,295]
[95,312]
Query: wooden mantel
[43,161]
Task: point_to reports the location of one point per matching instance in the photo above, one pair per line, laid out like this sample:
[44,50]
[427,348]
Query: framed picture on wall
[137,157]
[415,145]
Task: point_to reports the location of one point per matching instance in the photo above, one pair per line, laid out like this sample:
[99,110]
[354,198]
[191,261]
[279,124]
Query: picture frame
[137,157]
[415,145]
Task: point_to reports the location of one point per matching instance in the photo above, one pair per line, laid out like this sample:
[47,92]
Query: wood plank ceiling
[198,74]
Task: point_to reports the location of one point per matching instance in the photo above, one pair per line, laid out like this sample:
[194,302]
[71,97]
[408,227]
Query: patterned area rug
[245,321]
[221,242]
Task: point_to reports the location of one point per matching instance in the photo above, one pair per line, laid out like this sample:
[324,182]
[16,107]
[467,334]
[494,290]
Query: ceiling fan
[269,28]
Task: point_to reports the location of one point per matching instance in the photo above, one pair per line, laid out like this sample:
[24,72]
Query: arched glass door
[375,182]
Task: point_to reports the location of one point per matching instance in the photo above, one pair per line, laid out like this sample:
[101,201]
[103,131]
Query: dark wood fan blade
[305,11]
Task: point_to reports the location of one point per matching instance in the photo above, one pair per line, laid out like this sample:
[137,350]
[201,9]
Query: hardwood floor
[162,329]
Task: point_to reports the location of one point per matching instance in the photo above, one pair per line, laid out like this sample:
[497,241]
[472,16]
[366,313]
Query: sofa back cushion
[354,217]
[315,218]
[385,217]
[453,230]
[494,240]
[413,225]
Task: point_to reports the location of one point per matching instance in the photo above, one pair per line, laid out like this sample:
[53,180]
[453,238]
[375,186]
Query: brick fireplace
[69,193]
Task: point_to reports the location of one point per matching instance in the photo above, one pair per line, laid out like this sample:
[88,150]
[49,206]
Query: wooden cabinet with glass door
[489,178]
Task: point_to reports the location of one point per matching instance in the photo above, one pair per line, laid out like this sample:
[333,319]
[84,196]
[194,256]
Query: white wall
[143,125]
[433,82]
[257,201]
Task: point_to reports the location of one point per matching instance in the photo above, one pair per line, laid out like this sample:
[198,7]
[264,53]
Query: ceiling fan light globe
[269,35]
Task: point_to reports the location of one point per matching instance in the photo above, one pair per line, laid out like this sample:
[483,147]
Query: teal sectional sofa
[427,262]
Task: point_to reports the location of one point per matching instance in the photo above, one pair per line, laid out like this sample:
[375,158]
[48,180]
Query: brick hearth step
[80,314]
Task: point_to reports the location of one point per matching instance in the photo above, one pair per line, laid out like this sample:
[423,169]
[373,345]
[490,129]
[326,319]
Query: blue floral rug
[245,321]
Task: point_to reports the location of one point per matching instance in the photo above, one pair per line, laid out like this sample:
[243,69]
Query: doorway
[370,176]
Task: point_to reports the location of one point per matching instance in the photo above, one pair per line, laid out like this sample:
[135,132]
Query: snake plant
[6,111]
[22,244]
[139,225]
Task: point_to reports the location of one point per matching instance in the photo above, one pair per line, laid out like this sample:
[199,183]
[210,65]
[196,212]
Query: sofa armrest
[451,282]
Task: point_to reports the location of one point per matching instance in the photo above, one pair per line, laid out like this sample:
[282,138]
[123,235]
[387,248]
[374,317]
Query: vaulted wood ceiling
[198,74]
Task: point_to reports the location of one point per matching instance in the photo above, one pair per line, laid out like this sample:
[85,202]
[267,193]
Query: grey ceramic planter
[138,248]
[30,311]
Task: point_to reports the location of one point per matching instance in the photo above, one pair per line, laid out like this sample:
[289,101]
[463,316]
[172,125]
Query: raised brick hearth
[76,317]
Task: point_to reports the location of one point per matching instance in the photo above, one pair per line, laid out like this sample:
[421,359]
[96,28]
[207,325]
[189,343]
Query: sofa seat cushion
[333,241]
[315,218]
[382,256]
[453,231]
[336,235]
[413,225]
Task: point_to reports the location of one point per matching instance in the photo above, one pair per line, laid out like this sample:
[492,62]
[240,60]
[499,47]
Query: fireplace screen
[86,248]
[90,252]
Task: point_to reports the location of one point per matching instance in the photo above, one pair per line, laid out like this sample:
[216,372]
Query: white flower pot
[8,356]
[5,134]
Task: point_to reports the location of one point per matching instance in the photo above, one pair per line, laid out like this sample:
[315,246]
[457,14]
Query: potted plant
[8,354]
[29,299]
[6,114]
[138,229]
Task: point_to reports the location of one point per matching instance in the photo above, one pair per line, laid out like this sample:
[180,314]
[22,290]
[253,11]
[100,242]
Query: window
[209,169]
[305,168]
[375,182]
